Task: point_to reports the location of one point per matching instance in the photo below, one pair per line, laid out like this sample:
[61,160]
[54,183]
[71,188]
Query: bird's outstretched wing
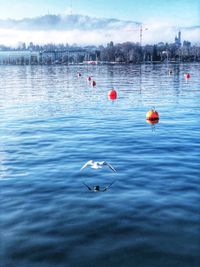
[86,164]
[89,188]
[107,187]
[110,166]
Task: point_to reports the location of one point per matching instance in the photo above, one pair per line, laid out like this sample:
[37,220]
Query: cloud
[85,30]
[64,22]
[165,31]
[73,36]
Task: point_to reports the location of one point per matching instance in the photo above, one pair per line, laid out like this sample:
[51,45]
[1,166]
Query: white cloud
[85,30]
[166,31]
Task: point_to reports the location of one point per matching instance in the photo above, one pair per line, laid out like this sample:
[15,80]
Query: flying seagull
[97,165]
[97,187]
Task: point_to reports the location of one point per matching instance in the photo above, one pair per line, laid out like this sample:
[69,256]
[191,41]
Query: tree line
[133,53]
[124,53]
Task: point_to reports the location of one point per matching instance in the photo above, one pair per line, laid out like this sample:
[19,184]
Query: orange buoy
[79,74]
[93,83]
[89,79]
[152,115]
[112,94]
[187,75]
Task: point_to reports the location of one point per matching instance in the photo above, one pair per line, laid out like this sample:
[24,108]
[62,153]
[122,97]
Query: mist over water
[52,122]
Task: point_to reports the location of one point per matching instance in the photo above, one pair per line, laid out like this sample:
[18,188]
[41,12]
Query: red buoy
[112,94]
[187,75]
[93,83]
[89,79]
[152,115]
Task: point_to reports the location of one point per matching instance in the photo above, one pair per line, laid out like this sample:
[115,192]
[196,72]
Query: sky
[162,18]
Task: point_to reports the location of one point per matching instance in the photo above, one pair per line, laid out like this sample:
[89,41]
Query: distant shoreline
[105,63]
[125,53]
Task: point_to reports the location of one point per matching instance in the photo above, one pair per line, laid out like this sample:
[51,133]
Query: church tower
[179,37]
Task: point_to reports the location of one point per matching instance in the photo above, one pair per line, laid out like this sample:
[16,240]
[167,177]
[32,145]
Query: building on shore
[45,57]
[19,57]
[178,39]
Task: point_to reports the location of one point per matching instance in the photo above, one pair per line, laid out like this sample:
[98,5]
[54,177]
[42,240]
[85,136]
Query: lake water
[52,122]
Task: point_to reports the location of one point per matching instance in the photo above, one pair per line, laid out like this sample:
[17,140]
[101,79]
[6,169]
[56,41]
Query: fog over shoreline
[85,30]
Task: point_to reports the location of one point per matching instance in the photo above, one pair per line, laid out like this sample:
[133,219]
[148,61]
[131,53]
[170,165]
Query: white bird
[97,165]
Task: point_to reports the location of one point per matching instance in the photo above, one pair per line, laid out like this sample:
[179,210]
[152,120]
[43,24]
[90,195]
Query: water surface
[52,122]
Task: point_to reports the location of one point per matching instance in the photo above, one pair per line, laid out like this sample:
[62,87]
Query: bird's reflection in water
[97,188]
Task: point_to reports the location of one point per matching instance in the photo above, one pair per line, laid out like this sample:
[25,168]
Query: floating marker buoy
[89,79]
[93,83]
[152,115]
[187,75]
[79,74]
[170,72]
[112,94]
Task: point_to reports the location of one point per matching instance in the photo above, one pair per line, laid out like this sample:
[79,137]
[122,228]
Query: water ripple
[53,122]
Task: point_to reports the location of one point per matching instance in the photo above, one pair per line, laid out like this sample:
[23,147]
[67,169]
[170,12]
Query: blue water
[52,122]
